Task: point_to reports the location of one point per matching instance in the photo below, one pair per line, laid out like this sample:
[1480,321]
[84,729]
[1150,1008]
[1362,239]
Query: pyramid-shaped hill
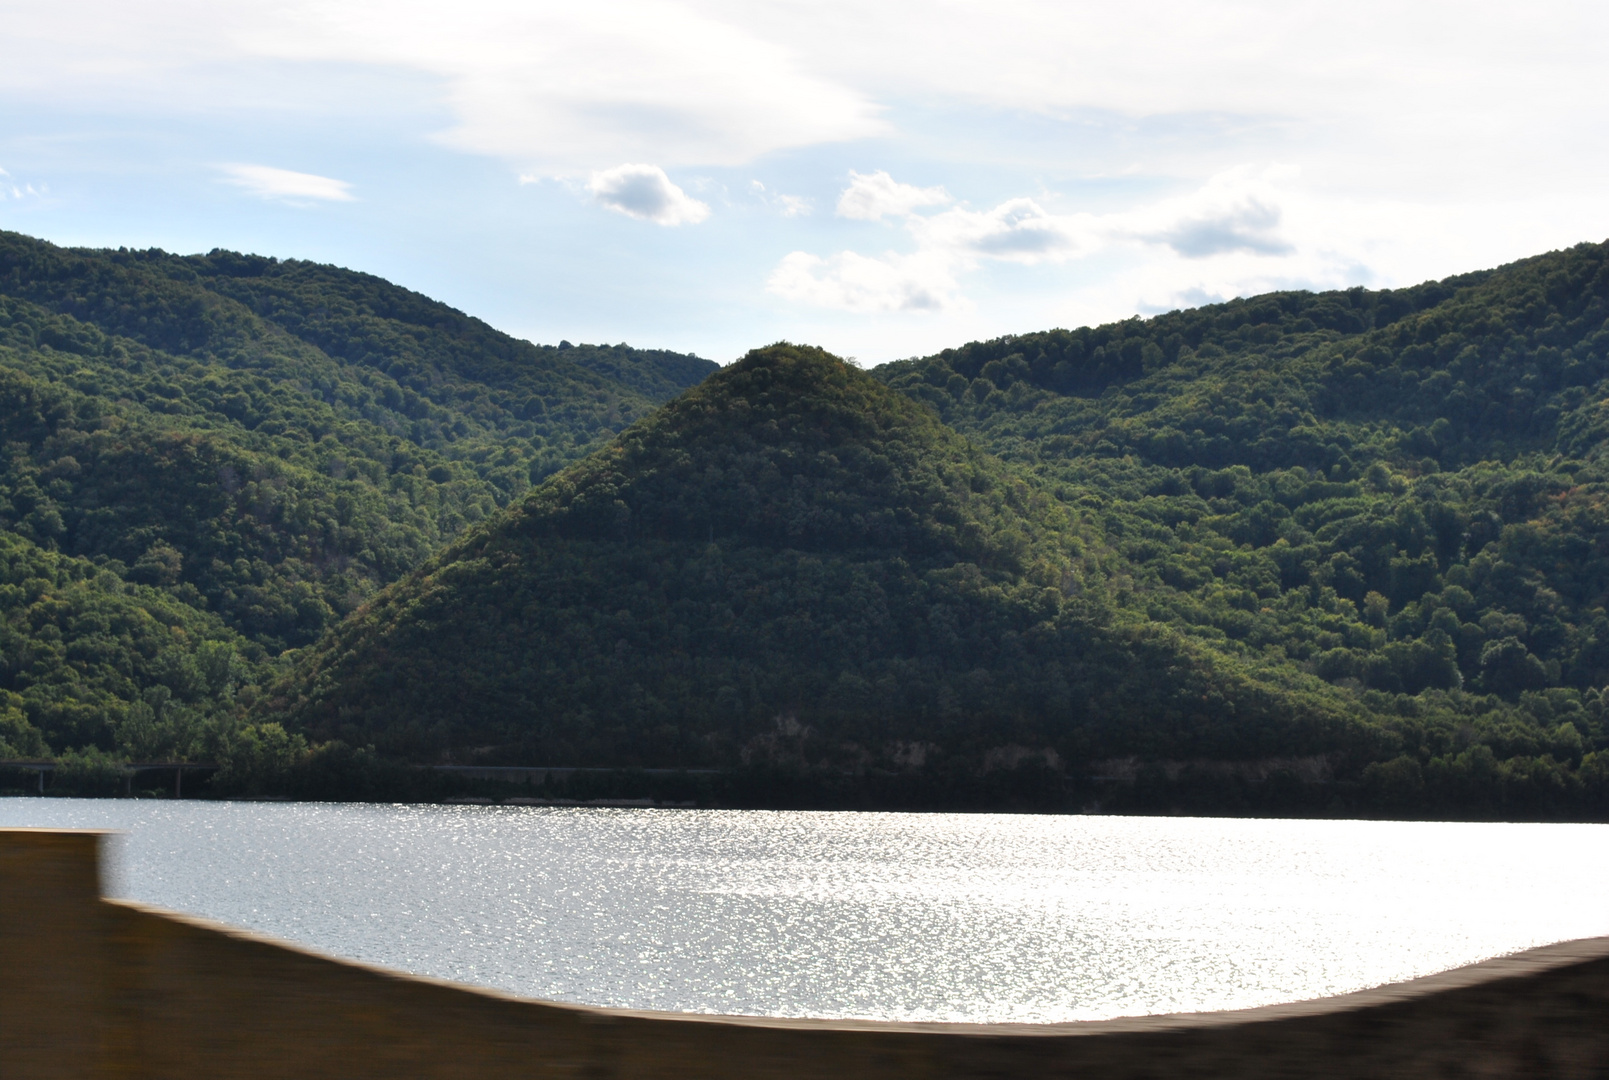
[790,562]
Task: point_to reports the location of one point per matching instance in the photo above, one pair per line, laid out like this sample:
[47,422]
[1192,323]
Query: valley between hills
[1340,554]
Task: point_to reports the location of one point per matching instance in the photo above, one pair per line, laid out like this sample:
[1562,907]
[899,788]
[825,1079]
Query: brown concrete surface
[101,988]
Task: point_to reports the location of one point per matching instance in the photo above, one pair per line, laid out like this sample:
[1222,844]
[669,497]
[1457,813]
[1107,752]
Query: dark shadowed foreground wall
[98,988]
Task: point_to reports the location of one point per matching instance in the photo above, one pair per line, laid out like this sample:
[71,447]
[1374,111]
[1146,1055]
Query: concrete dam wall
[91,987]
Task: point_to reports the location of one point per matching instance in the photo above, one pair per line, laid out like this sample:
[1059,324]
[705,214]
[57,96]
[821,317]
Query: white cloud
[1251,226]
[1500,101]
[1490,99]
[1238,214]
[554,87]
[1273,231]
[562,86]
[1018,230]
[1237,210]
[1480,100]
[788,205]
[852,282]
[645,192]
[947,243]
[267,182]
[11,189]
[872,196]
[1443,144]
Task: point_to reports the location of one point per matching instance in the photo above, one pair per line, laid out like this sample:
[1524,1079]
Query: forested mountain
[1402,493]
[262,444]
[1300,553]
[789,564]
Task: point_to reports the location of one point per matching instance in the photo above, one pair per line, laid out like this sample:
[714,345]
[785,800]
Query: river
[963,917]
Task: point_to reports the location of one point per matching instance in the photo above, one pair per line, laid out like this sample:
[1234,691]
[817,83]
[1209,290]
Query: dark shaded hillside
[789,566]
[1402,493]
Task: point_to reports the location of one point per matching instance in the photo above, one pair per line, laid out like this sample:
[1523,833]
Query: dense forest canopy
[1400,492]
[789,563]
[1335,552]
[263,444]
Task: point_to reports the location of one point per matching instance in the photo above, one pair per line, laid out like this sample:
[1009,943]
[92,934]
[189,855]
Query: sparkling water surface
[962,917]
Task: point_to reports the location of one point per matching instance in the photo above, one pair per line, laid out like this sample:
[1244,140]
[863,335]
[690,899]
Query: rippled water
[888,916]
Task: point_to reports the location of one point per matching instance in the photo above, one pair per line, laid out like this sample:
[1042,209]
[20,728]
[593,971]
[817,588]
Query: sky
[885,179]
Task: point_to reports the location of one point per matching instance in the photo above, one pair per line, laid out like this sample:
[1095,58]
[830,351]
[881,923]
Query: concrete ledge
[92,987]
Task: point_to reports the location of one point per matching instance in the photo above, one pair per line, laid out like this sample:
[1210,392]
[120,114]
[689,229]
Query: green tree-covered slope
[512,411]
[99,662]
[788,564]
[1337,552]
[1402,493]
[267,444]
